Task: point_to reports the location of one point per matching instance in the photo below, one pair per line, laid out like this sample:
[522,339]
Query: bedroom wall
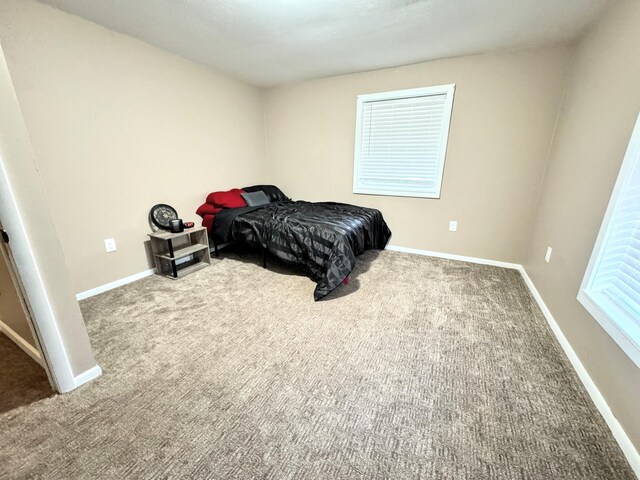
[503,116]
[117,126]
[594,128]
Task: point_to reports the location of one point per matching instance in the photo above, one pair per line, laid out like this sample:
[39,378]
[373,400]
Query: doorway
[23,371]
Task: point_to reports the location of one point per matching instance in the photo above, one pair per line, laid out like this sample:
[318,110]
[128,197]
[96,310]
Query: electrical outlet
[547,257]
[110,245]
[453,226]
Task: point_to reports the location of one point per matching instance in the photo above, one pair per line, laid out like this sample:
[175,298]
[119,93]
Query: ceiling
[271,42]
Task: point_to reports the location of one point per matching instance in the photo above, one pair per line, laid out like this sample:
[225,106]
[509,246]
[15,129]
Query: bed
[322,238]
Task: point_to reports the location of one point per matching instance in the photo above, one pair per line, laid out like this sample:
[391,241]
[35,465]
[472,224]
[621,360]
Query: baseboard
[88,375]
[629,450]
[22,343]
[115,284]
[449,256]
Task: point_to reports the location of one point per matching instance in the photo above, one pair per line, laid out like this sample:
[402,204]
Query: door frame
[34,351]
[43,320]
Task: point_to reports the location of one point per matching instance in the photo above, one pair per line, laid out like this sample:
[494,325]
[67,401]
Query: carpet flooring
[419,368]
[22,380]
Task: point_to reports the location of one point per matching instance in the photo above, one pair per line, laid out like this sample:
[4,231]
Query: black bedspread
[323,238]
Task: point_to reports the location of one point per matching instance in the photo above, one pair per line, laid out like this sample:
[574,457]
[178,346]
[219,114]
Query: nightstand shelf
[179,254]
[186,251]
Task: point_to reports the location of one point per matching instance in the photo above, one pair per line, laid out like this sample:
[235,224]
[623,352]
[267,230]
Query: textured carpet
[419,368]
[22,381]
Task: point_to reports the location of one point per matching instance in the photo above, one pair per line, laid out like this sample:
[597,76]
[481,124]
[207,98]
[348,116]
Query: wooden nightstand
[168,248]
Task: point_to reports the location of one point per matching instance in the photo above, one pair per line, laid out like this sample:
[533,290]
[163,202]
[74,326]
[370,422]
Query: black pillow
[273,192]
[255,199]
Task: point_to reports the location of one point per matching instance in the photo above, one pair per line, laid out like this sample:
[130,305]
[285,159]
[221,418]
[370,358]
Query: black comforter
[322,238]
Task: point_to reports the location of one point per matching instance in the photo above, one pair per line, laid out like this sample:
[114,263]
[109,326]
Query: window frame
[449,91]
[614,320]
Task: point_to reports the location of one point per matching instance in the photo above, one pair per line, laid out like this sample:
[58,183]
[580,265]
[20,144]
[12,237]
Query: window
[401,141]
[610,290]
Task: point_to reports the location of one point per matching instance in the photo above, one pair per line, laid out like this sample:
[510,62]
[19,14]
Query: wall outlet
[547,256]
[110,245]
[453,226]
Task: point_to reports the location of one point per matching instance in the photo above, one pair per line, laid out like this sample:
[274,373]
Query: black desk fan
[165,217]
[160,217]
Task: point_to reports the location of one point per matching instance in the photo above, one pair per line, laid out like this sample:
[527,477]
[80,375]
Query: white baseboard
[115,284]
[87,376]
[449,256]
[629,450]
[22,343]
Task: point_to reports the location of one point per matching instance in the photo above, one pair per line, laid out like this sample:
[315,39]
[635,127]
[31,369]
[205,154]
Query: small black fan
[161,215]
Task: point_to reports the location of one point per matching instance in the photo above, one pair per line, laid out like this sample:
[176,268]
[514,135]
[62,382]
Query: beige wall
[117,126]
[595,125]
[11,311]
[503,115]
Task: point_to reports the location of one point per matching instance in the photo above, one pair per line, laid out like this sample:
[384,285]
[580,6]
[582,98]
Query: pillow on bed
[255,199]
[207,209]
[273,192]
[207,221]
[230,199]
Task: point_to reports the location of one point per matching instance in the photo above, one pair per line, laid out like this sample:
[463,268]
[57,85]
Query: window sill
[435,196]
[619,327]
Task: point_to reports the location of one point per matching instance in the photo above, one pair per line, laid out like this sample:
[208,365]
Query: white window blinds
[618,275]
[401,140]
[612,281]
